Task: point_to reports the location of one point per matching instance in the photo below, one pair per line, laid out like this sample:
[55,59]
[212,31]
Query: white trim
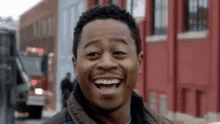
[183,118]
[160,38]
[156,38]
[169,115]
[153,101]
[139,19]
[163,103]
[58,107]
[100,2]
[193,35]
[212,116]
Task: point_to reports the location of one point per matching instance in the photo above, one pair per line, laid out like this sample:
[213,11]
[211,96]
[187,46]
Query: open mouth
[107,85]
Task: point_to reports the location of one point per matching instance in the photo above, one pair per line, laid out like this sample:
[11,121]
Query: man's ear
[74,65]
[140,60]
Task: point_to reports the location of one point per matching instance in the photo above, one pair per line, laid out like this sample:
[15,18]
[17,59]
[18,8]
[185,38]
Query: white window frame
[156,38]
[159,38]
[188,4]
[163,104]
[153,101]
[50,26]
[192,35]
[50,62]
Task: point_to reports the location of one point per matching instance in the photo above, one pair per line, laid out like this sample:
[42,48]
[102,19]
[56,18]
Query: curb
[48,114]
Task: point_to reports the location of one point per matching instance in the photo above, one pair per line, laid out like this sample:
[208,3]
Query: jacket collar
[77,104]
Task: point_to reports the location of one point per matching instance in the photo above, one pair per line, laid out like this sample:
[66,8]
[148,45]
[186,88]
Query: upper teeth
[107,81]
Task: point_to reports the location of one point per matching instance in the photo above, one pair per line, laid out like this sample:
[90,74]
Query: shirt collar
[77,103]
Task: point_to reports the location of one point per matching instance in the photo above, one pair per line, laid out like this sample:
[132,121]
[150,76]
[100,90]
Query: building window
[50,62]
[153,101]
[198,103]
[184,98]
[113,2]
[44,28]
[50,26]
[197,15]
[160,17]
[39,29]
[163,104]
[35,29]
[96,2]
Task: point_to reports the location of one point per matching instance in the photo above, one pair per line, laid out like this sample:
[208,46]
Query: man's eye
[119,53]
[93,55]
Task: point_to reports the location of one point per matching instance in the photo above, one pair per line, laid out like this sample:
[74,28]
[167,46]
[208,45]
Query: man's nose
[107,62]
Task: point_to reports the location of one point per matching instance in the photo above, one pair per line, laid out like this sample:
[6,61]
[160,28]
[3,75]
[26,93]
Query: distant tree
[9,19]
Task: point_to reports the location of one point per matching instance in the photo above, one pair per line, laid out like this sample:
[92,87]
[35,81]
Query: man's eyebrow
[90,43]
[112,39]
[119,40]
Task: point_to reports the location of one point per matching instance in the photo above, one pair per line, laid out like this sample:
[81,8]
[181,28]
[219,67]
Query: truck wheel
[35,111]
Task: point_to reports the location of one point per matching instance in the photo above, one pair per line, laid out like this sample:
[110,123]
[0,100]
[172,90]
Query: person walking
[66,89]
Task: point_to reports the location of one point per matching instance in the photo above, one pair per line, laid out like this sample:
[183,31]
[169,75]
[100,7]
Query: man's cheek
[83,82]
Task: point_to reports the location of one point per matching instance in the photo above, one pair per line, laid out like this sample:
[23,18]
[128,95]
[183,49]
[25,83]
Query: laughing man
[107,56]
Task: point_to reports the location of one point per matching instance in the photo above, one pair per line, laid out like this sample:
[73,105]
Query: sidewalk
[48,113]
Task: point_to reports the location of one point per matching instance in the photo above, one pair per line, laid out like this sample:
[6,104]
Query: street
[46,115]
[30,121]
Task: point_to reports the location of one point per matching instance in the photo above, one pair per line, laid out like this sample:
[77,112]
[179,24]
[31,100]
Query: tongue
[108,87]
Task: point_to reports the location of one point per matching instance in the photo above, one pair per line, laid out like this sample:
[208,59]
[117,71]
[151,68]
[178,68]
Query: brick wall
[39,13]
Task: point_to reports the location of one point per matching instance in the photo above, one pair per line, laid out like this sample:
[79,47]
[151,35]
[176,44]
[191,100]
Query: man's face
[107,63]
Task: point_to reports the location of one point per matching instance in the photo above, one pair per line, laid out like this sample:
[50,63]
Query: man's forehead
[109,23]
[101,27]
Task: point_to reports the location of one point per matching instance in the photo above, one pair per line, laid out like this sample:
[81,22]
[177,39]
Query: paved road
[30,121]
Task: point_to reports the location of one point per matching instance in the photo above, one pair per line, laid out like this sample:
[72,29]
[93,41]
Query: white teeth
[107,81]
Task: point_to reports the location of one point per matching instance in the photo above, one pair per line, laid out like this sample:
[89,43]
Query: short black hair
[106,12]
[68,74]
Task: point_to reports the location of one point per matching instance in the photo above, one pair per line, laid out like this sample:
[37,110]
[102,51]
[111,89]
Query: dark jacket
[76,114]
[66,85]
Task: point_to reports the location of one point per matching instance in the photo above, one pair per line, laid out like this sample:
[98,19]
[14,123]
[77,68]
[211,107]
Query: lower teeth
[107,86]
[103,87]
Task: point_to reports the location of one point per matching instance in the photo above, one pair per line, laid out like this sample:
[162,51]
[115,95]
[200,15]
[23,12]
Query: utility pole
[132,7]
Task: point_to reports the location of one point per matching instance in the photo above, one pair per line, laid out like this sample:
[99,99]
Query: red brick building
[180,74]
[180,40]
[38,28]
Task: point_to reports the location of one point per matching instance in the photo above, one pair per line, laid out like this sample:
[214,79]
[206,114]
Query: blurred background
[179,78]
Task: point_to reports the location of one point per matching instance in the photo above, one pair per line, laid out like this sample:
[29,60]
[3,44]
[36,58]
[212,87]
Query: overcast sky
[15,8]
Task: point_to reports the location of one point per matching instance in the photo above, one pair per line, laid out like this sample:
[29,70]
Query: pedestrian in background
[66,89]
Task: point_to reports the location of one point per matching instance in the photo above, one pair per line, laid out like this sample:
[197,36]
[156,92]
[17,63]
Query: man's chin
[107,107]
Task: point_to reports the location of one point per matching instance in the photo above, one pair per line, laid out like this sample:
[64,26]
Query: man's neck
[119,116]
